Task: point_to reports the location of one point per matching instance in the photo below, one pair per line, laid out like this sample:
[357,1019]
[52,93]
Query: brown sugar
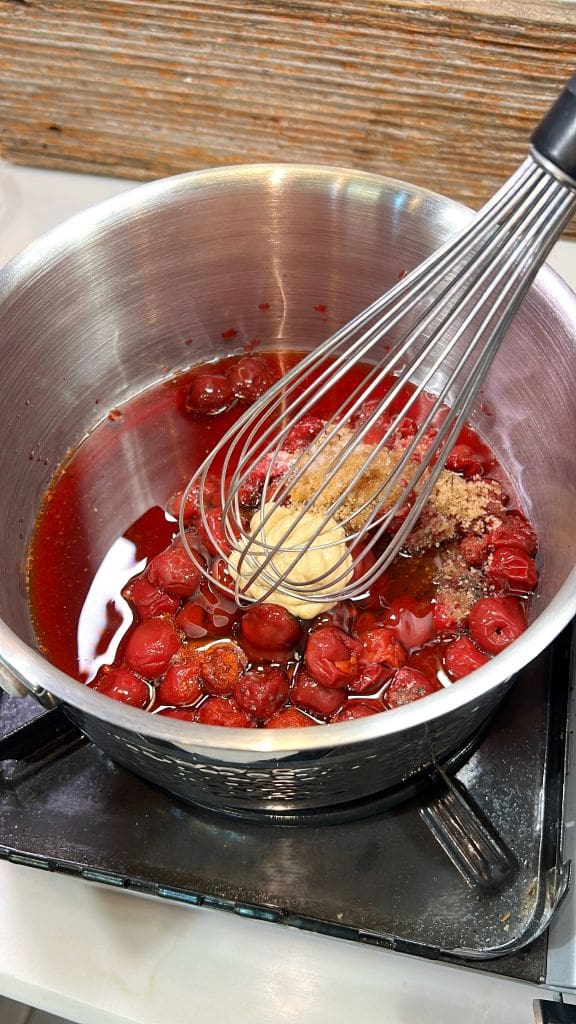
[455,504]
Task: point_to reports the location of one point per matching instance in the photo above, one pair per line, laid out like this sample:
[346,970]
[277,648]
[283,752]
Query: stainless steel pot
[103,306]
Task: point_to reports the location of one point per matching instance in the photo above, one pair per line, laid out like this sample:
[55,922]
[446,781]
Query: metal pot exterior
[151,282]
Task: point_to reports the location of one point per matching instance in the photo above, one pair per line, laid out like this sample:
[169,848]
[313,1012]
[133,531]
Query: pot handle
[15,687]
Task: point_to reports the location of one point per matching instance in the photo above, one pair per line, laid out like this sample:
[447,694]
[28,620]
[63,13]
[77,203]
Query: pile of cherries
[192,654]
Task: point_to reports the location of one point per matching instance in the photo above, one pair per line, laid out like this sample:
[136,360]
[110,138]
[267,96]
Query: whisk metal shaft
[438,328]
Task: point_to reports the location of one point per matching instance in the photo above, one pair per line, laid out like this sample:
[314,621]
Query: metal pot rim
[27,663]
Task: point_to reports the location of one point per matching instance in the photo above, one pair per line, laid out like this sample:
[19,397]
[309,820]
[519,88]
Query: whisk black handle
[555,136]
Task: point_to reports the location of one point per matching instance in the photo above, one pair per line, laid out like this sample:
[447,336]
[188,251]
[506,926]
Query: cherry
[122,685]
[410,620]
[192,620]
[219,711]
[270,626]
[409,684]
[494,622]
[371,679]
[378,428]
[355,709]
[311,696]
[474,549]
[289,718]
[210,497]
[513,568]
[211,533]
[209,393]
[448,612]
[148,601]
[302,434]
[151,646]
[382,647]
[461,657]
[262,693]
[181,685]
[182,713]
[220,667]
[249,377]
[331,656]
[463,459]
[173,570]
[514,532]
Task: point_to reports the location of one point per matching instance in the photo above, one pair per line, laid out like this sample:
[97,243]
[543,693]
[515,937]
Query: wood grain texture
[443,93]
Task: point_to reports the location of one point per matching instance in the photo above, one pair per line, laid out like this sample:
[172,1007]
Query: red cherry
[368,620]
[331,656]
[514,532]
[289,718]
[449,612]
[302,434]
[371,679]
[410,620]
[382,647]
[119,684]
[219,711]
[151,646]
[262,693]
[355,709]
[513,568]
[192,620]
[221,576]
[221,611]
[379,426]
[212,533]
[220,667]
[182,713]
[181,684]
[409,684]
[173,570]
[494,622]
[474,549]
[249,377]
[210,497]
[463,459]
[341,615]
[309,695]
[209,393]
[148,601]
[367,560]
[270,626]
[461,657]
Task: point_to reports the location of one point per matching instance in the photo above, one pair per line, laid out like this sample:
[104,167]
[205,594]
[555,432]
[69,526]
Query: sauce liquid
[89,542]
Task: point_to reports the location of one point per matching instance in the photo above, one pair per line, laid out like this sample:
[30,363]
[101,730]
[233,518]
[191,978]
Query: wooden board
[444,94]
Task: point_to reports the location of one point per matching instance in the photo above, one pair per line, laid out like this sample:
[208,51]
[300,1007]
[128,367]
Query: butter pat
[314,560]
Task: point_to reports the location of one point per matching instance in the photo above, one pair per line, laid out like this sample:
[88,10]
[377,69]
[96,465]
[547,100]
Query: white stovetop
[104,957]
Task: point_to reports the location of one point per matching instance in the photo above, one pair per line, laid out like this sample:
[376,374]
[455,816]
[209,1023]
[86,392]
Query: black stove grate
[467,871]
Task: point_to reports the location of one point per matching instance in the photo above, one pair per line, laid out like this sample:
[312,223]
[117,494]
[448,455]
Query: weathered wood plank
[439,92]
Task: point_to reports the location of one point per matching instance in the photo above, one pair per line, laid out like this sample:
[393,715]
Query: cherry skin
[461,657]
[261,693]
[209,393]
[219,711]
[332,656]
[249,378]
[409,684]
[495,622]
[270,626]
[122,685]
[181,686]
[174,571]
[150,647]
[311,696]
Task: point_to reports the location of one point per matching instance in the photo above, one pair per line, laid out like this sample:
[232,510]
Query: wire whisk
[437,330]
